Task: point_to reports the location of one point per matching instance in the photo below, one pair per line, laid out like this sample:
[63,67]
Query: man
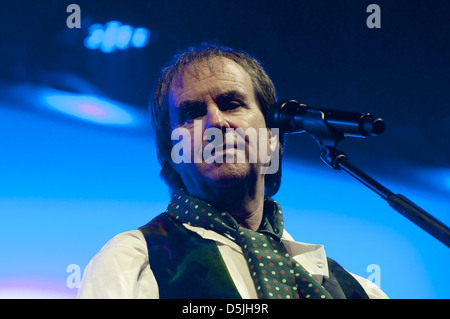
[222,235]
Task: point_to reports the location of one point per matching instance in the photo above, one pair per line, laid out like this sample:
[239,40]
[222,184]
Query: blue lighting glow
[124,36]
[96,36]
[114,35]
[88,108]
[140,37]
[438,177]
[447,180]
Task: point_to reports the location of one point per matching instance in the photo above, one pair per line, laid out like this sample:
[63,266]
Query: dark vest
[186,265]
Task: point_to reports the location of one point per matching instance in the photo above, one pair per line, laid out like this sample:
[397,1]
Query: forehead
[212,76]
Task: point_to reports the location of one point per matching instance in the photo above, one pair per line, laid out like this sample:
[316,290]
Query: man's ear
[273,139]
[274,145]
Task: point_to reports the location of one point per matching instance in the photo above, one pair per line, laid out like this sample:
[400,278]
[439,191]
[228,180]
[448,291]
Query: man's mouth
[220,151]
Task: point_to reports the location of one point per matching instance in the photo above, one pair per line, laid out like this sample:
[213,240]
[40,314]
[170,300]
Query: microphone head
[371,126]
[292,117]
[282,115]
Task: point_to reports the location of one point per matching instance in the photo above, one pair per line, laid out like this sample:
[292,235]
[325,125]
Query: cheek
[187,143]
[252,118]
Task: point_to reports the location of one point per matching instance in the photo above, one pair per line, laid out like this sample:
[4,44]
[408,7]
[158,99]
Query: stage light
[140,37]
[109,39]
[96,36]
[123,37]
[113,35]
[89,108]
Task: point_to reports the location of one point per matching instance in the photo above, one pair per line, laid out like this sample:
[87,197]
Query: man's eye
[232,105]
[191,115]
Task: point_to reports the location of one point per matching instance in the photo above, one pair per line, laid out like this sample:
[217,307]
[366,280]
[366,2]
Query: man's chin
[226,173]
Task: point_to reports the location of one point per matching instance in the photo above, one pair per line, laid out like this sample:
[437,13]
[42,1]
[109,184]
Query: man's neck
[245,205]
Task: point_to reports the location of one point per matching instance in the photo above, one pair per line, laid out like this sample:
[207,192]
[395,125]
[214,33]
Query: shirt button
[319,264]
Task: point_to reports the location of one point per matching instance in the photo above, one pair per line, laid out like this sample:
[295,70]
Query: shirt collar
[310,256]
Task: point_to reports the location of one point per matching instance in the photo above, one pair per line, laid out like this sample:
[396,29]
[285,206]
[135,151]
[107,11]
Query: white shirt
[121,268]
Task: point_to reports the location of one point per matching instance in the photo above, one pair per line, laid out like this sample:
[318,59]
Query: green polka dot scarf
[275,274]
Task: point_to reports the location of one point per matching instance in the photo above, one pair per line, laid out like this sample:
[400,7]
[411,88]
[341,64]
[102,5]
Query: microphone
[293,117]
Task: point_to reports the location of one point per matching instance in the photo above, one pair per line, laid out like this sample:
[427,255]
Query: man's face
[221,98]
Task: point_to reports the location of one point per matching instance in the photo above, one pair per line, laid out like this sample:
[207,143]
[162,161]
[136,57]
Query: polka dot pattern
[275,274]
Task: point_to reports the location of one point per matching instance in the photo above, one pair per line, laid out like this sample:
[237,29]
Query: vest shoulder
[159,225]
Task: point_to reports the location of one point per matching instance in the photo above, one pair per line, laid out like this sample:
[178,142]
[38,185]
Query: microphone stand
[328,139]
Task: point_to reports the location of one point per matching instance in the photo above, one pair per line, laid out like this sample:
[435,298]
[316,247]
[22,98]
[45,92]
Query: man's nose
[215,118]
